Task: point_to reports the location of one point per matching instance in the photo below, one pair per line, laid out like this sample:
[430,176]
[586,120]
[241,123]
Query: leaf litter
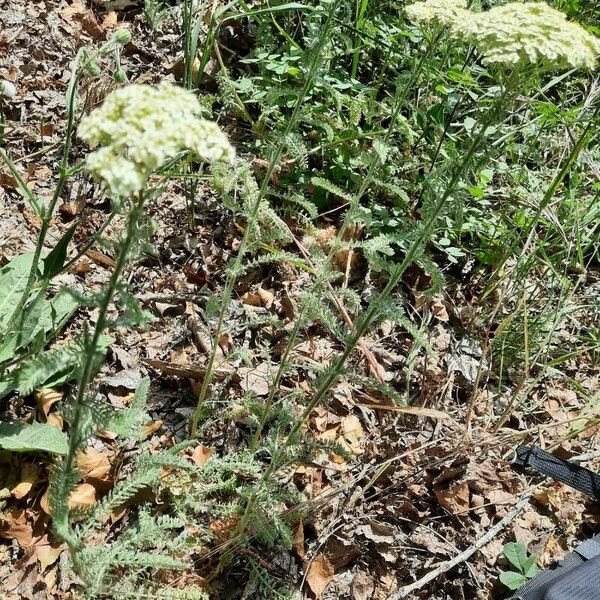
[438,491]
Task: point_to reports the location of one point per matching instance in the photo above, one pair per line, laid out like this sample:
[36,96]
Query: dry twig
[489,535]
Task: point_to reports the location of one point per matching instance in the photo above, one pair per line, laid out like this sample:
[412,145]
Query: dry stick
[489,535]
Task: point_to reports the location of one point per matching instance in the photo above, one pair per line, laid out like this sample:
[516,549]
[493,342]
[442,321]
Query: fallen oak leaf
[319,575]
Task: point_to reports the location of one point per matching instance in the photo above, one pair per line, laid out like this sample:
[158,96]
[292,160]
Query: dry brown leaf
[150,428]
[56,420]
[353,433]
[101,259]
[223,528]
[29,477]
[266,297]
[363,586]
[500,497]
[46,398]
[425,538]
[417,411]
[14,525]
[200,454]
[256,379]
[94,464]
[110,20]
[44,505]
[438,308]
[83,496]
[74,207]
[320,573]
[299,539]
[78,12]
[252,299]
[455,499]
[553,550]
[47,554]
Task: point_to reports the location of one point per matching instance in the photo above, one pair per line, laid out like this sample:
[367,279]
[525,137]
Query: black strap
[573,475]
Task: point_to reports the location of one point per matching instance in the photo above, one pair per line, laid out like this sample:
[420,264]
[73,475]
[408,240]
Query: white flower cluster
[533,32]
[441,13]
[140,127]
[515,33]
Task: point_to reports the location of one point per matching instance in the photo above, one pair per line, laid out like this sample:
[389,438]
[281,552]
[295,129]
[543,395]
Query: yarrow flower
[442,13]
[140,127]
[532,32]
[515,33]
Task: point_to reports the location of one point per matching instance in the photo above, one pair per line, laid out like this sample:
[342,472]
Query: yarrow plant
[140,127]
[515,33]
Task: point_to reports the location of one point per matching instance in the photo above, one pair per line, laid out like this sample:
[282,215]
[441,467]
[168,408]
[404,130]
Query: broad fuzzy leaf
[24,437]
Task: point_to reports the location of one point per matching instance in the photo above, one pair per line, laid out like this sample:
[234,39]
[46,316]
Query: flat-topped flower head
[141,127]
[512,34]
[440,13]
[532,33]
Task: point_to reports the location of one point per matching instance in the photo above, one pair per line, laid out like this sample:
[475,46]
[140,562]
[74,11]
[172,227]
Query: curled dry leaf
[149,428]
[46,398]
[455,499]
[320,573]
[299,539]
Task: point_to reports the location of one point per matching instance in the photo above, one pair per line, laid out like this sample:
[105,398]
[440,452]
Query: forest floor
[443,484]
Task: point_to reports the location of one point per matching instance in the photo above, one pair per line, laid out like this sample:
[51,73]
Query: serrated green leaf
[512,580]
[331,187]
[25,437]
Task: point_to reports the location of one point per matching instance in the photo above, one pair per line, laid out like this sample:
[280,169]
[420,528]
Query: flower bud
[119,75]
[122,36]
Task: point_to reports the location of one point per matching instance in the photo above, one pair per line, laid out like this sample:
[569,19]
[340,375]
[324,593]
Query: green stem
[414,250]
[62,524]
[252,218]
[397,105]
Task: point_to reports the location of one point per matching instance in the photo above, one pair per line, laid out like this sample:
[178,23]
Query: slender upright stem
[87,368]
[252,217]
